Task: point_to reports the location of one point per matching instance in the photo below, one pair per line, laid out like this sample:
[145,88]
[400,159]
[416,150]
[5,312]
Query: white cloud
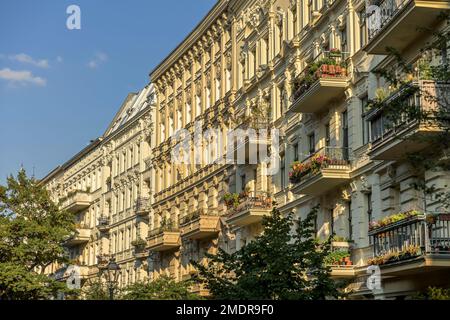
[23,77]
[24,58]
[97,60]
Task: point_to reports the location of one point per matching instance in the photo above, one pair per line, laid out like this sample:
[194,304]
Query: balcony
[82,236]
[163,239]
[103,260]
[339,260]
[142,207]
[203,223]
[320,83]
[411,242]
[324,170]
[391,141]
[77,201]
[400,22]
[250,208]
[103,224]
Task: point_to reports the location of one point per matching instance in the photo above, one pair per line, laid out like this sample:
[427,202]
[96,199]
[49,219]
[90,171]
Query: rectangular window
[345,136]
[188,112]
[344,46]
[311,143]
[363,32]
[283,173]
[364,123]
[331,222]
[296,152]
[243,182]
[327,135]
[350,222]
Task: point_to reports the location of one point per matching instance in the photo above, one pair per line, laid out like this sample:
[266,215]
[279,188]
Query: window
[296,152]
[345,137]
[311,143]
[331,222]
[363,32]
[344,46]
[376,128]
[198,105]
[369,206]
[281,98]
[327,135]
[350,223]
[188,112]
[242,73]
[208,97]
[243,182]
[364,122]
[283,172]
[179,119]
[218,89]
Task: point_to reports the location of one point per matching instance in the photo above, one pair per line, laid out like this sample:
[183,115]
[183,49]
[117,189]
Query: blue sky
[60,88]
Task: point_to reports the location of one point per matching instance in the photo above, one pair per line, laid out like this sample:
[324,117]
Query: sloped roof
[133,104]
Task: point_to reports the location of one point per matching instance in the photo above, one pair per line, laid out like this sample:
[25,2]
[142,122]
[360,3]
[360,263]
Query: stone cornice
[192,38]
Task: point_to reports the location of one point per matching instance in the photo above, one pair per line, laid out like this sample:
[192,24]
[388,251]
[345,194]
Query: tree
[402,107]
[163,288]
[32,232]
[95,289]
[278,264]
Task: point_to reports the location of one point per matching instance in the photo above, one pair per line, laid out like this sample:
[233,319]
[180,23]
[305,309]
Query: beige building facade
[302,70]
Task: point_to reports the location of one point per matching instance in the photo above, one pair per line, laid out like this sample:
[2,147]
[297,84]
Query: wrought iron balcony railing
[414,236]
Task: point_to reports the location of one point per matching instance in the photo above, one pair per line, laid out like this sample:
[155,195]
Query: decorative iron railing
[426,233]
[253,200]
[197,214]
[327,157]
[419,100]
[386,11]
[329,64]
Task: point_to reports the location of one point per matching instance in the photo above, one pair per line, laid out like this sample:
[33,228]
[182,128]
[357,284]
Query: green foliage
[95,289]
[435,293]
[231,199]
[398,109]
[390,257]
[336,257]
[163,288]
[32,233]
[278,264]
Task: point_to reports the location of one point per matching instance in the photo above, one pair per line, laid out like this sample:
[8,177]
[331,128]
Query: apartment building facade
[107,187]
[301,74]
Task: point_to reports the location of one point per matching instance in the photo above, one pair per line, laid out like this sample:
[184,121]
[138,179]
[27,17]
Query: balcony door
[345,153]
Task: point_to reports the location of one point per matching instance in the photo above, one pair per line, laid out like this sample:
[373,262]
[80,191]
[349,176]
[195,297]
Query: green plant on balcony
[138,243]
[335,52]
[337,238]
[338,257]
[390,257]
[373,225]
[231,199]
[326,67]
[314,165]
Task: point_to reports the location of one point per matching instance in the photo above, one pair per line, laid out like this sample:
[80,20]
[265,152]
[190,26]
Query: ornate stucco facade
[245,65]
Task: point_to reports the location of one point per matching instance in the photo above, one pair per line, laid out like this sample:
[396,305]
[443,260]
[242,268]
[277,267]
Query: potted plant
[335,52]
